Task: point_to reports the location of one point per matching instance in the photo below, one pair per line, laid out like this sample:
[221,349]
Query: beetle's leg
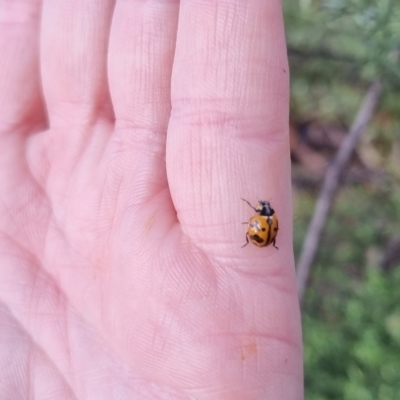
[273,244]
[247,241]
[249,204]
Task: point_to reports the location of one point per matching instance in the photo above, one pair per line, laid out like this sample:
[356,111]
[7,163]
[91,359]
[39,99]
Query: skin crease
[129,132]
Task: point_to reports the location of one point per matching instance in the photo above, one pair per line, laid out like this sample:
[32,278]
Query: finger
[229,122]
[74,59]
[141,55]
[20,95]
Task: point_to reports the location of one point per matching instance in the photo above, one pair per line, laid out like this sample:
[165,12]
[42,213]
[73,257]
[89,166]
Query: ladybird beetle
[262,228]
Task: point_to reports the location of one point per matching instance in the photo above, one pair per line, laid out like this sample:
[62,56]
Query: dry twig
[330,185]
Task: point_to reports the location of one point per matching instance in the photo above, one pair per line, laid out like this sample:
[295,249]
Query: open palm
[129,131]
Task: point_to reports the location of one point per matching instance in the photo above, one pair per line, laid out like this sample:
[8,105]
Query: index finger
[228,133]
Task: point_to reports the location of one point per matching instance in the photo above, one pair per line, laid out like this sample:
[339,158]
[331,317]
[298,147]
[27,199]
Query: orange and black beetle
[262,228]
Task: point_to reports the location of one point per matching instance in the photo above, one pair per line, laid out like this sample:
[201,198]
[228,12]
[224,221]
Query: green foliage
[363,33]
[352,349]
[337,47]
[351,315]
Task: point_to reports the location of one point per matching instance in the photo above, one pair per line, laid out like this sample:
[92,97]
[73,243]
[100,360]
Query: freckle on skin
[149,223]
[249,349]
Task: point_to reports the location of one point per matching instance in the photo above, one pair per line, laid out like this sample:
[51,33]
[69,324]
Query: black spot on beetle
[257,239]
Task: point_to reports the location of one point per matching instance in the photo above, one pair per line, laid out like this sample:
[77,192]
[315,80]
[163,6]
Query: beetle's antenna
[260,201]
[249,204]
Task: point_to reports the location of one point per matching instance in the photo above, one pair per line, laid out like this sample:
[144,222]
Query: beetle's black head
[264,208]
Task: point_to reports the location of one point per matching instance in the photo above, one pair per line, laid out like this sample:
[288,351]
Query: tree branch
[330,185]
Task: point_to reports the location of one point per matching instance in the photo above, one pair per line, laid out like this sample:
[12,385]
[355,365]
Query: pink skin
[129,132]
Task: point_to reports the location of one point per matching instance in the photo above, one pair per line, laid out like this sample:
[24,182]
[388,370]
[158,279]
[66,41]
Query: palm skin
[127,138]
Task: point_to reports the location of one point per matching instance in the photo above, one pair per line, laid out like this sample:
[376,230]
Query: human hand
[122,274]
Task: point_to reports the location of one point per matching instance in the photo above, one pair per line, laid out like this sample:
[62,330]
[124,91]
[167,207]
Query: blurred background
[351,303]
